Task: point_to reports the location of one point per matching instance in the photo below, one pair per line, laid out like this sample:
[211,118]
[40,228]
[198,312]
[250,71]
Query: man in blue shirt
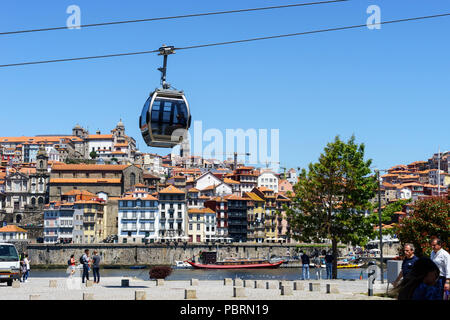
[408,262]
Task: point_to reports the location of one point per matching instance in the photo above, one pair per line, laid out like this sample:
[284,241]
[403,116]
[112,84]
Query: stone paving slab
[110,289]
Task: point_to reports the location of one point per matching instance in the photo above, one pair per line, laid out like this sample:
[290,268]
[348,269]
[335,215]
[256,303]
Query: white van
[9,263]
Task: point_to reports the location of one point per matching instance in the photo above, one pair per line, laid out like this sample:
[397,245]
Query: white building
[138,218]
[12,233]
[207,180]
[269,180]
[173,212]
[292,176]
[404,193]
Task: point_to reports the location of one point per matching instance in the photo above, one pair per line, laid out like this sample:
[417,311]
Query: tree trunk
[335,257]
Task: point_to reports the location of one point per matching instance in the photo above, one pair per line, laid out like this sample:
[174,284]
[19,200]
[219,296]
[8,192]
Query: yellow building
[201,225]
[255,218]
[92,220]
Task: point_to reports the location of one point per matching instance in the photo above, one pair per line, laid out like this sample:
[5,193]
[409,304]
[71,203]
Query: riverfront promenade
[110,289]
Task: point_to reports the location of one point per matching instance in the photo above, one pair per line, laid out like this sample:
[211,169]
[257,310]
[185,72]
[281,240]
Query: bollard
[314,286]
[227,282]
[125,283]
[194,282]
[16,284]
[271,285]
[140,295]
[284,283]
[34,297]
[90,283]
[286,290]
[259,284]
[298,285]
[190,294]
[159,282]
[238,282]
[52,284]
[88,296]
[332,288]
[238,292]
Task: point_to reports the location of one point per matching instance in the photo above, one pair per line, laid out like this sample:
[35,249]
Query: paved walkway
[110,289]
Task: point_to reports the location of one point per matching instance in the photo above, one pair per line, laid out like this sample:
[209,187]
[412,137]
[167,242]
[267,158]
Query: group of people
[88,263]
[424,278]
[317,261]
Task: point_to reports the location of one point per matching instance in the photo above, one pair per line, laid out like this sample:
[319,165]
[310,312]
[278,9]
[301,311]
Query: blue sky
[389,87]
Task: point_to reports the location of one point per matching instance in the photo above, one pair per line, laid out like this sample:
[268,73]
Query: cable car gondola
[165,111]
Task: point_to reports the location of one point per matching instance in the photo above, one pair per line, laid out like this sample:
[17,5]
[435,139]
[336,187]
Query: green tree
[430,218]
[387,215]
[93,154]
[332,197]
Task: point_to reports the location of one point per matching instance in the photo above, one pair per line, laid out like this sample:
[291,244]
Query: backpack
[81,260]
[68,262]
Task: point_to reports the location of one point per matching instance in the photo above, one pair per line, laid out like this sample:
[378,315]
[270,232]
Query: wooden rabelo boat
[237,264]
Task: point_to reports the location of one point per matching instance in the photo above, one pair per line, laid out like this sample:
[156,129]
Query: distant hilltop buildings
[90,188]
[84,188]
[115,146]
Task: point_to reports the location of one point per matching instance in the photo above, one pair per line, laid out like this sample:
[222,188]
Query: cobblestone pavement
[111,288]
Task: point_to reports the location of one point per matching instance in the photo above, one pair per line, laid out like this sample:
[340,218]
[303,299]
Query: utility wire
[232,42]
[177,17]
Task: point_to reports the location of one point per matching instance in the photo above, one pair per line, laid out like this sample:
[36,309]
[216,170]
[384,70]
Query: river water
[187,274]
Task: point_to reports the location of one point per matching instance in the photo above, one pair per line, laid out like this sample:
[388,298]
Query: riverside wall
[43,255]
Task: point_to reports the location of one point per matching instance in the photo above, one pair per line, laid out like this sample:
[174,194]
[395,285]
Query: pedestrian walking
[96,267]
[85,261]
[442,260]
[420,282]
[329,264]
[408,262]
[71,264]
[305,266]
[26,264]
[317,266]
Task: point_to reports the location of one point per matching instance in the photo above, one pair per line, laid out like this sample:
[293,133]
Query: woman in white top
[26,262]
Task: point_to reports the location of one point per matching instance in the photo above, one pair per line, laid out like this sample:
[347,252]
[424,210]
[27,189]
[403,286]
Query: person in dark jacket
[85,260]
[420,282]
[96,267]
[305,266]
[329,264]
[407,263]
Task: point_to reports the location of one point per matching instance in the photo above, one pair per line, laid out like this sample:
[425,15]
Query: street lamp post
[380,229]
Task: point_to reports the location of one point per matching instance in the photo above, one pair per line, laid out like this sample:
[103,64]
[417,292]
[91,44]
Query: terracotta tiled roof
[140,185]
[85,180]
[100,136]
[147,197]
[89,167]
[230,181]
[171,189]
[193,190]
[76,192]
[11,228]
[202,210]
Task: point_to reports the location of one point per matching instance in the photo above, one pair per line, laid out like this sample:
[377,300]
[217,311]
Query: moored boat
[237,264]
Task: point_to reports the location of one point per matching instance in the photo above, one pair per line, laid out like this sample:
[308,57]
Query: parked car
[9,263]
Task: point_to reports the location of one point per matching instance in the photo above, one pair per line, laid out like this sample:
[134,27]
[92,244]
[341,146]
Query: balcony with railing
[88,220]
